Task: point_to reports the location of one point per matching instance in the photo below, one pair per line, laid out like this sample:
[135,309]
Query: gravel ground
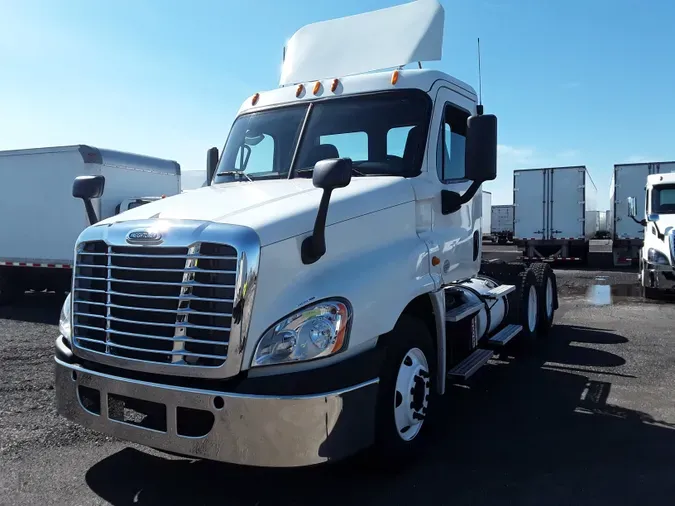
[586,417]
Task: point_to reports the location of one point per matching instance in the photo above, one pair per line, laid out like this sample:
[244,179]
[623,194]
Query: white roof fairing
[374,40]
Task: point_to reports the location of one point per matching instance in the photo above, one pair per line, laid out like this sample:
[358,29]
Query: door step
[500,291]
[467,367]
[460,312]
[505,335]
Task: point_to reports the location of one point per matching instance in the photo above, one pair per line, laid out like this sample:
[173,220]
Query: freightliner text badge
[144,236]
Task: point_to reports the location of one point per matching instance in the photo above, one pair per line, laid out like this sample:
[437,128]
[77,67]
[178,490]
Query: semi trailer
[628,180]
[39,219]
[316,303]
[502,223]
[553,213]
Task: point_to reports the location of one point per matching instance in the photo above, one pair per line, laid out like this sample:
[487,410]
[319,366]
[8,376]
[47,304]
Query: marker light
[394,77]
[334,85]
[299,90]
[255,98]
[317,87]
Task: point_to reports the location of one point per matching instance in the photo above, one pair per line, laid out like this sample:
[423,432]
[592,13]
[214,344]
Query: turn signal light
[394,77]
[299,90]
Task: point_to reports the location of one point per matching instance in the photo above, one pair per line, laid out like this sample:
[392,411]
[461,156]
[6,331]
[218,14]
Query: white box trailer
[552,209]
[502,223]
[40,220]
[629,180]
[486,223]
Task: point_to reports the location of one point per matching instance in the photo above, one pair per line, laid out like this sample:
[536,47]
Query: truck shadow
[35,307]
[533,429]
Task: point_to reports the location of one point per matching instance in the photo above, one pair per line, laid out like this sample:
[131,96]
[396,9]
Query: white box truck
[316,302]
[629,180]
[502,223]
[486,215]
[552,212]
[40,221]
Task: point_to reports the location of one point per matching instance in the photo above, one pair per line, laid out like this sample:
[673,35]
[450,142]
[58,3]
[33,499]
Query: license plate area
[137,412]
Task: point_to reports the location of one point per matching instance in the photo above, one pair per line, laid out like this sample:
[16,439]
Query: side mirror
[87,188]
[327,175]
[211,164]
[632,208]
[332,173]
[481,148]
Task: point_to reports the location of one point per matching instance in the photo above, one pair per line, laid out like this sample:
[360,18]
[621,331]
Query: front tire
[406,395]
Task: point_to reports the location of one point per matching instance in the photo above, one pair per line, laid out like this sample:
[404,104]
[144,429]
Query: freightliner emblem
[144,236]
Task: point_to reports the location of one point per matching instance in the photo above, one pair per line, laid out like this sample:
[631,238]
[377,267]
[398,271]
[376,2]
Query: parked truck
[502,223]
[628,180]
[657,255]
[39,221]
[552,213]
[315,303]
[486,216]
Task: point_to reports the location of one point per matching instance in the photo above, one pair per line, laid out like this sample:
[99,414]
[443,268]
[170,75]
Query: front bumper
[247,429]
[661,277]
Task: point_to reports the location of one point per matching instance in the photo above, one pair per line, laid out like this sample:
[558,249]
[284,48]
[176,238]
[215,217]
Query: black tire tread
[542,273]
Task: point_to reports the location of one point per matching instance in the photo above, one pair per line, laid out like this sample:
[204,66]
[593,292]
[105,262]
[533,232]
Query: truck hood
[276,209]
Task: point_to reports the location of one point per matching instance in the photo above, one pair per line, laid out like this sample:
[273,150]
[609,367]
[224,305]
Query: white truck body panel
[502,218]
[629,180]
[486,215]
[553,204]
[39,218]
[374,40]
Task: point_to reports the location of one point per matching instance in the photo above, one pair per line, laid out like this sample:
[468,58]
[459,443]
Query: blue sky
[577,82]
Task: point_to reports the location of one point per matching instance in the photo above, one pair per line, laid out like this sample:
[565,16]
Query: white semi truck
[40,221]
[628,180]
[502,223]
[657,255]
[553,218]
[317,296]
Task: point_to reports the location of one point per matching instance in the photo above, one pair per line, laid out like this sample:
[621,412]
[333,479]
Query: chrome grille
[168,305]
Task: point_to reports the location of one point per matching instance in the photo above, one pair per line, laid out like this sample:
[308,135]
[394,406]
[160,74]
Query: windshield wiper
[310,169]
[234,172]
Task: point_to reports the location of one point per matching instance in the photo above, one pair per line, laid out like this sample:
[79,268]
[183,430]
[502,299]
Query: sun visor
[366,42]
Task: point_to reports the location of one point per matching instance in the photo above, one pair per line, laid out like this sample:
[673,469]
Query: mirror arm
[314,246]
[639,222]
[91,214]
[451,202]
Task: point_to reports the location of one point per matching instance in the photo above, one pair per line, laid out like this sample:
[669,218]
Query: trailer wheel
[406,392]
[547,287]
[11,288]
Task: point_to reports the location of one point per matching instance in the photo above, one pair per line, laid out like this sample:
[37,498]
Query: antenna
[480,84]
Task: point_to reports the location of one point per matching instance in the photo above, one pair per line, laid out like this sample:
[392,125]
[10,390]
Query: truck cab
[317,296]
[657,255]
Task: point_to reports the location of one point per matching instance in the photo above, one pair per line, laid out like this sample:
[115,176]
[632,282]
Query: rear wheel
[525,305]
[548,301]
[406,392]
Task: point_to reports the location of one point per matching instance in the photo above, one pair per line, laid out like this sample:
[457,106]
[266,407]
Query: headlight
[64,319]
[314,332]
[656,257]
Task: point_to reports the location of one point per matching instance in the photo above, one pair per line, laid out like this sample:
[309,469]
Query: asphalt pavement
[584,417]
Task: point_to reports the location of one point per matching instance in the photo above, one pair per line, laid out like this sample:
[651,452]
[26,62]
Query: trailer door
[566,194]
[529,204]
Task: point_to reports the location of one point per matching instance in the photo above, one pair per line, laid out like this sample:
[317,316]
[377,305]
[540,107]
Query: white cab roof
[374,40]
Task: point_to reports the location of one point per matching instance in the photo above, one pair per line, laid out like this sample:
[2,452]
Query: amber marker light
[255,98]
[298,91]
[394,77]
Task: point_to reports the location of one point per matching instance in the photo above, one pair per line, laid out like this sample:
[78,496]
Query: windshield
[383,134]
[663,199]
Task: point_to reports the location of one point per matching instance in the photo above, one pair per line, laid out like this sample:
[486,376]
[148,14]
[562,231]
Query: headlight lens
[314,332]
[64,319]
[656,257]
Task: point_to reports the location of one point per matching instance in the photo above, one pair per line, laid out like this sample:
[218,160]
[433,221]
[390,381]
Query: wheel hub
[411,397]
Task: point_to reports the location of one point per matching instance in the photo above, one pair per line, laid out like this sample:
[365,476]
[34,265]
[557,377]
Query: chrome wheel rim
[411,397]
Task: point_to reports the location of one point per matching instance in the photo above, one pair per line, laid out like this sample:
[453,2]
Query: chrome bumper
[661,277]
[257,430]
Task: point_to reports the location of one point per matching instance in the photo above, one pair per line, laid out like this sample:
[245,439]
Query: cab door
[457,234]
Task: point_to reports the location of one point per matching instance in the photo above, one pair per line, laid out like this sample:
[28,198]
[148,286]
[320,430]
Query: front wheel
[406,392]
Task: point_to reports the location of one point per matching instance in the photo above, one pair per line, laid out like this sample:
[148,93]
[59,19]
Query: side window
[256,155]
[396,140]
[451,144]
[352,145]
